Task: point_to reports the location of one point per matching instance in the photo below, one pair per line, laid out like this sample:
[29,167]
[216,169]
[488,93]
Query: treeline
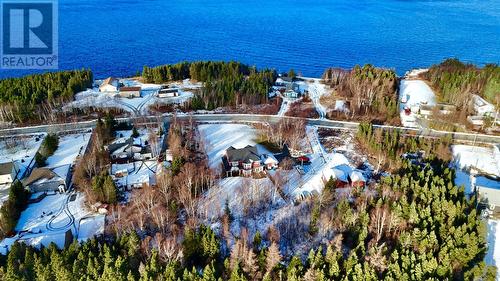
[370,91]
[225,83]
[201,71]
[33,97]
[456,81]
[416,226]
[48,147]
[91,171]
[11,209]
[388,146]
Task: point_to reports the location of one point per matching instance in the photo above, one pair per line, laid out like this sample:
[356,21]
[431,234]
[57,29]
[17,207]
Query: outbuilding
[130,92]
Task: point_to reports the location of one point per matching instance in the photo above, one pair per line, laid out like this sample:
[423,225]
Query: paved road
[252,118]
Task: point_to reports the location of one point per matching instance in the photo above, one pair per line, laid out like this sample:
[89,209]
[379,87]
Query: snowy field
[70,147]
[219,137]
[137,106]
[47,221]
[480,158]
[21,151]
[414,93]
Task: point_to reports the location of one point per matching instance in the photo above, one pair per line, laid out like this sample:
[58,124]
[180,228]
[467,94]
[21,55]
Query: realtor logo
[29,34]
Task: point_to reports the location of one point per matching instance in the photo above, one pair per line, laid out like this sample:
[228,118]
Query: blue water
[119,37]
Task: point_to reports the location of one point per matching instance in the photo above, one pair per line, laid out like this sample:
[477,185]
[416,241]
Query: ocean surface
[119,37]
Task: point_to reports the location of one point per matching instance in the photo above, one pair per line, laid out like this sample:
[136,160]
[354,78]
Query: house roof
[269,159]
[109,81]
[342,172]
[6,168]
[242,154]
[39,173]
[130,89]
[357,176]
[117,145]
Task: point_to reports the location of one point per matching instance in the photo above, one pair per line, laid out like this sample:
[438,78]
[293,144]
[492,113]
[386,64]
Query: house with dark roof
[242,161]
[45,179]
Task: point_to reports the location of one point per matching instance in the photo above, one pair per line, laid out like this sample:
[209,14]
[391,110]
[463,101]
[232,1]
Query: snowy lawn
[480,158]
[21,151]
[48,220]
[70,147]
[219,137]
[414,93]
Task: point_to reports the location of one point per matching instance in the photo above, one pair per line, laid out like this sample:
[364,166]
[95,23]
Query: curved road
[253,118]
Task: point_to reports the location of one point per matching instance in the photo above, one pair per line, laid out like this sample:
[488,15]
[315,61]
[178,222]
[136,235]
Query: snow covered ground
[47,221]
[285,105]
[469,160]
[413,93]
[138,173]
[238,192]
[479,158]
[21,151]
[219,137]
[316,91]
[321,168]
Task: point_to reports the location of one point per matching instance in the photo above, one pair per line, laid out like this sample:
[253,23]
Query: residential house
[346,176]
[121,152]
[291,94]
[110,84]
[482,107]
[488,190]
[130,92]
[8,173]
[428,110]
[168,92]
[129,150]
[45,179]
[244,161]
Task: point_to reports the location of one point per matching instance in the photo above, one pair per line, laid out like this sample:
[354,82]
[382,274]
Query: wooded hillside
[455,82]
[369,90]
[225,83]
[33,97]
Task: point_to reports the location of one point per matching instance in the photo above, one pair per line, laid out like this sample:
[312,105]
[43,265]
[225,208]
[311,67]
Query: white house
[168,92]
[111,84]
[8,173]
[482,107]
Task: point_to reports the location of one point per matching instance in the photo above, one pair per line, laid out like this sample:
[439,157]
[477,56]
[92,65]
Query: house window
[247,166]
